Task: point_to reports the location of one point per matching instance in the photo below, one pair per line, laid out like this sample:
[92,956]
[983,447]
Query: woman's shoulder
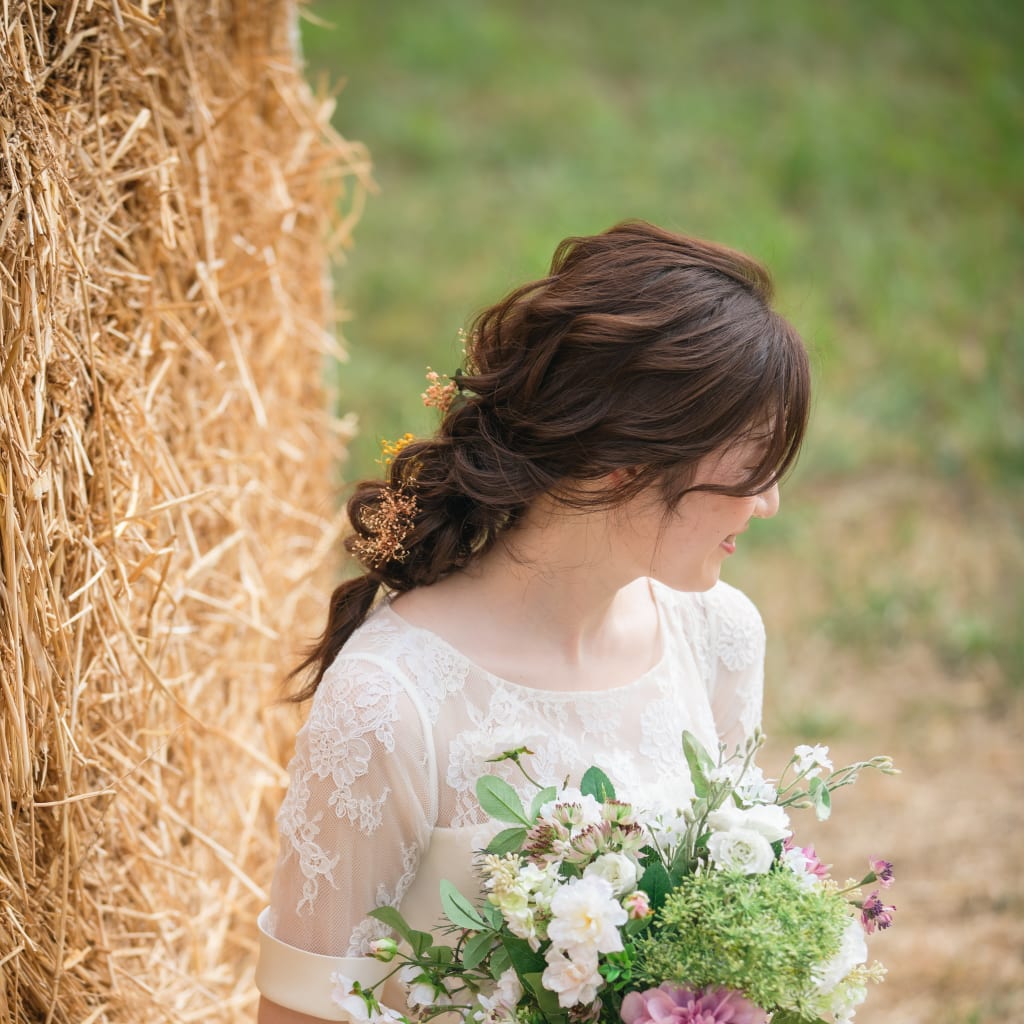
[389,659]
[722,623]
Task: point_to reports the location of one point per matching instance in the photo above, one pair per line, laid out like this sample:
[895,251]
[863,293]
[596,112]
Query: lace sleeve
[359,810]
[735,663]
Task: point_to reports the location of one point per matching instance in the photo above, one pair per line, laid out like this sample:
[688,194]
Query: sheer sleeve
[735,663]
[357,818]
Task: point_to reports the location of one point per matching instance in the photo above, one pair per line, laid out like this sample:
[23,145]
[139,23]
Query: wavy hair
[642,350]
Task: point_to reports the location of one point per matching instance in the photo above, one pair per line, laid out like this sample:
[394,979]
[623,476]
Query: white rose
[586,916]
[769,820]
[576,979]
[616,869]
[742,850]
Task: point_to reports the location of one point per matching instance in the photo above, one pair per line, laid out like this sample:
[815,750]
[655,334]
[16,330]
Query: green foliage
[500,800]
[596,784]
[870,153]
[761,934]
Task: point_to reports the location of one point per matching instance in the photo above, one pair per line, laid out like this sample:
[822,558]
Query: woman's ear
[622,477]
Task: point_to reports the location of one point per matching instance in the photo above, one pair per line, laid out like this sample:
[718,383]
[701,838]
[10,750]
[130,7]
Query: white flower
[669,825]
[796,860]
[585,916]
[573,809]
[355,1006]
[343,996]
[419,993]
[768,819]
[616,869]
[853,951]
[723,773]
[845,1000]
[742,850]
[523,924]
[501,1003]
[754,788]
[576,979]
[811,760]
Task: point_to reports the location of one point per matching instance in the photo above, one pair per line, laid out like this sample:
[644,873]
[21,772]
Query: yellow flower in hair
[389,449]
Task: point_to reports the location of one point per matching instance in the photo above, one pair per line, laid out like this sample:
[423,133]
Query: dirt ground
[953,821]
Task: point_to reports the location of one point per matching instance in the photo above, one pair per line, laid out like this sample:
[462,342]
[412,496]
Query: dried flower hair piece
[441,391]
[389,449]
[388,524]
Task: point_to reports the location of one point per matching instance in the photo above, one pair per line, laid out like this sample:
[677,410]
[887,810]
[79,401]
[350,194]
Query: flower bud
[384,950]
[637,905]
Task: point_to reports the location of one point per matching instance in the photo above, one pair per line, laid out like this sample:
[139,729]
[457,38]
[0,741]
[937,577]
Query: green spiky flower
[760,934]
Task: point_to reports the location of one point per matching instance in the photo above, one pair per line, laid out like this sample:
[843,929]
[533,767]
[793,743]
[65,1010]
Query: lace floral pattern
[400,702]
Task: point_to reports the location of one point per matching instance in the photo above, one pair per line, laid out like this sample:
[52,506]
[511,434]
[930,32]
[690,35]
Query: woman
[549,565]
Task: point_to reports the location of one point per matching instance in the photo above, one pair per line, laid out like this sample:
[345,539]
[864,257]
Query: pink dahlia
[672,1004]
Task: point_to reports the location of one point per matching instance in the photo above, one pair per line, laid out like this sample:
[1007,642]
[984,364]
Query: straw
[169,190]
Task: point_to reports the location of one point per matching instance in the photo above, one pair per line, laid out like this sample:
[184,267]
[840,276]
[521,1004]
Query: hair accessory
[441,390]
[389,449]
[388,524]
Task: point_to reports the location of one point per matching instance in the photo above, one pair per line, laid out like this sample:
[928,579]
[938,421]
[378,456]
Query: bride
[542,572]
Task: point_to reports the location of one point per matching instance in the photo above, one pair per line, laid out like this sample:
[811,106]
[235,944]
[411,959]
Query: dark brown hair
[641,350]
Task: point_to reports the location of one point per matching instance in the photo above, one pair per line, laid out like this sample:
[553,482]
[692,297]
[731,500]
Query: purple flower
[875,914]
[883,872]
[673,1004]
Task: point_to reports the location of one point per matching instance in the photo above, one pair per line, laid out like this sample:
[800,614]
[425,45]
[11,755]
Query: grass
[871,154]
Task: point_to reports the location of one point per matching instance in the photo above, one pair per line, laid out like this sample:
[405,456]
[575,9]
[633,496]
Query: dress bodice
[382,805]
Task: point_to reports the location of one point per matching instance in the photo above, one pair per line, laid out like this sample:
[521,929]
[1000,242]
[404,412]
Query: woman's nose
[767,503]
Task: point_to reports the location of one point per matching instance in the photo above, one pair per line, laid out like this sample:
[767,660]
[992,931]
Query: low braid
[641,350]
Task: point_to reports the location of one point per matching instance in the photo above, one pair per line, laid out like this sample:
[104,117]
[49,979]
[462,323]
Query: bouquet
[596,911]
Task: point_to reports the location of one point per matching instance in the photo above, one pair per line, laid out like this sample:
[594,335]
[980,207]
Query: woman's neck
[547,605]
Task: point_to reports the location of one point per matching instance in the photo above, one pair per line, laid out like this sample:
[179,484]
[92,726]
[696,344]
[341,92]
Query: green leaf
[491,914]
[420,942]
[546,999]
[508,840]
[524,959]
[475,951]
[500,800]
[544,796]
[459,910]
[394,920]
[655,881]
[596,784]
[500,962]
[699,762]
[822,801]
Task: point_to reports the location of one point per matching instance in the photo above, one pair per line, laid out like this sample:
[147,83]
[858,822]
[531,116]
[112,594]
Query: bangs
[781,419]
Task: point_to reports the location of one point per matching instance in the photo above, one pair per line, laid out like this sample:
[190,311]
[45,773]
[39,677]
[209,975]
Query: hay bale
[166,469]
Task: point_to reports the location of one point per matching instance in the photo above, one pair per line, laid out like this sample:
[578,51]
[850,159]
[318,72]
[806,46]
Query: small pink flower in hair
[440,391]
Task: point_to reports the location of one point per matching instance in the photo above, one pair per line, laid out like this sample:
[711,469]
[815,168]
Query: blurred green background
[872,154]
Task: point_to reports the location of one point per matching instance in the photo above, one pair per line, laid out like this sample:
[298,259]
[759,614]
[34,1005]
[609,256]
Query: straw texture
[167,186]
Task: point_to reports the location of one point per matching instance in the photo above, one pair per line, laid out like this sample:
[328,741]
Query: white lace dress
[381,804]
